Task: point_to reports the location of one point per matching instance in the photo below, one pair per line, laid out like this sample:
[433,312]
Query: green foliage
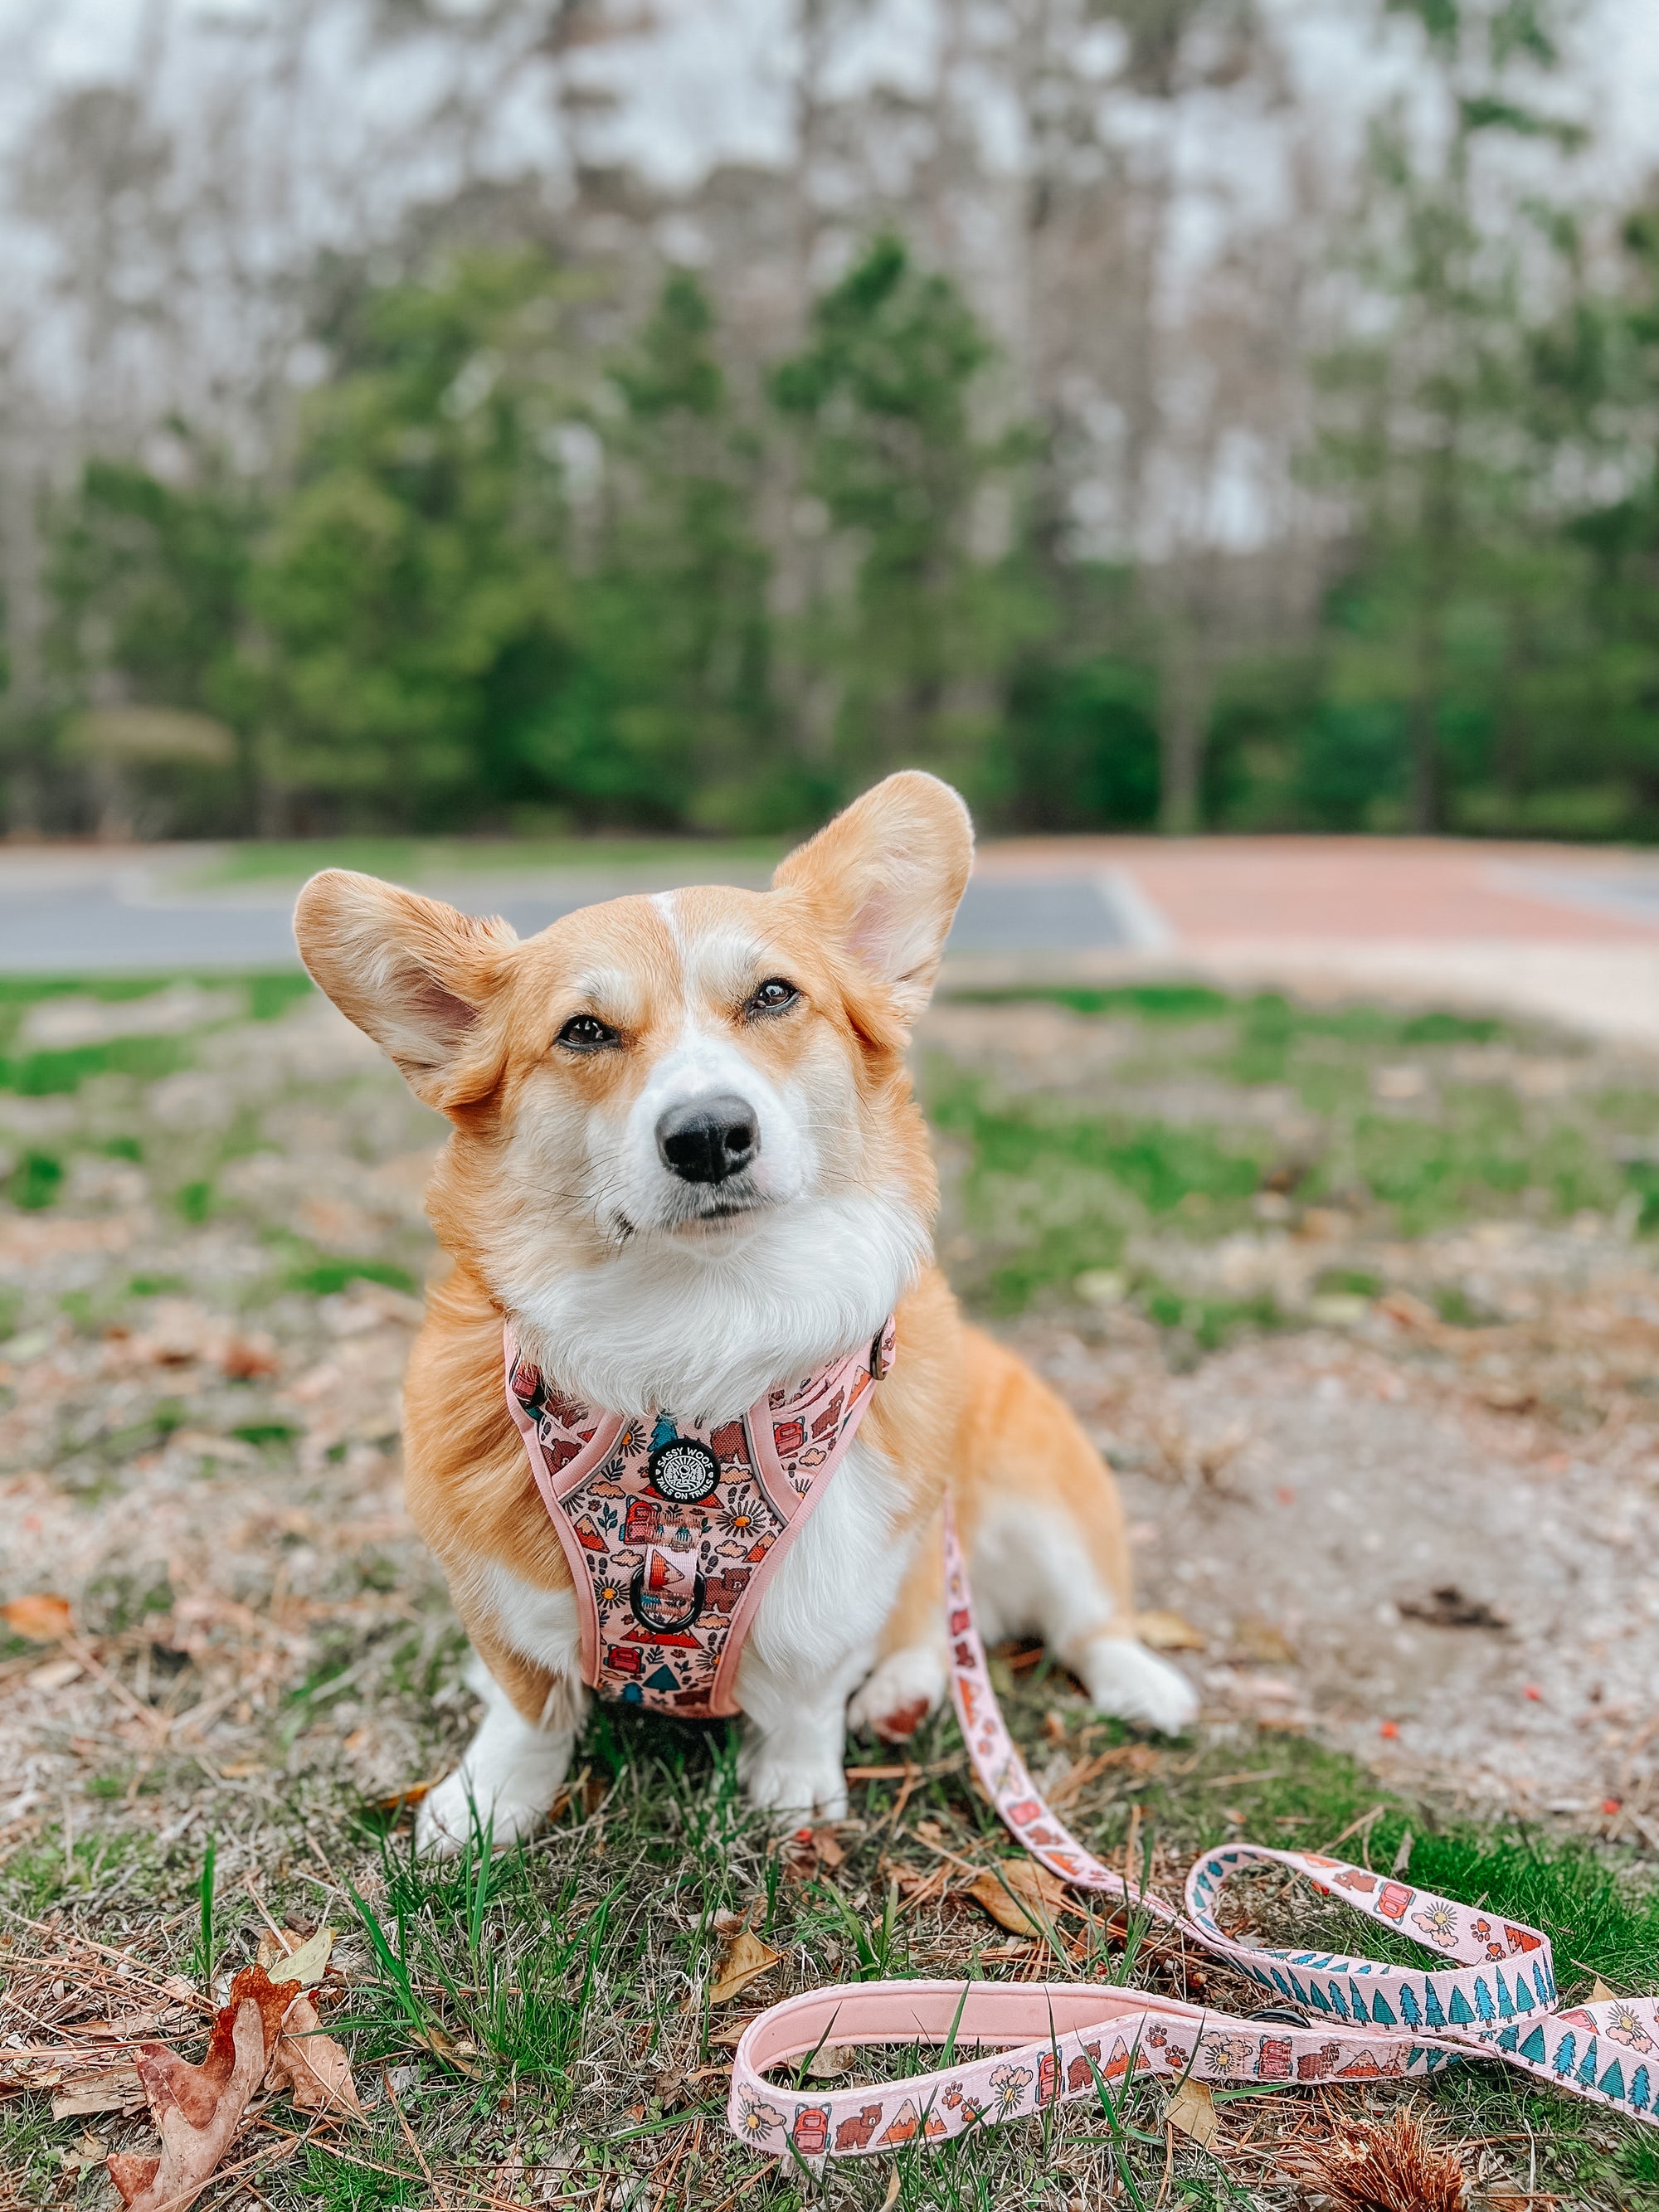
[883,391]
[515,579]
[412,584]
[673,718]
[151,577]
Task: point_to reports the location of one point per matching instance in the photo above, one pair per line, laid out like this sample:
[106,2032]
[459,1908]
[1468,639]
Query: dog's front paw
[1125,1679]
[462,1808]
[778,1781]
[899,1696]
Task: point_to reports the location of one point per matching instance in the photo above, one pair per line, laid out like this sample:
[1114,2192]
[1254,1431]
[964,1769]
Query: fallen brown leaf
[833,2060]
[1168,1631]
[199,2109]
[401,1799]
[1264,1643]
[745,1960]
[313,2066]
[1192,2108]
[117,2089]
[1410,1312]
[40,1618]
[1019,1895]
[458,2055]
[1446,1607]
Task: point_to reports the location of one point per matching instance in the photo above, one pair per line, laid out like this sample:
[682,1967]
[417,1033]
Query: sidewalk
[1562,932]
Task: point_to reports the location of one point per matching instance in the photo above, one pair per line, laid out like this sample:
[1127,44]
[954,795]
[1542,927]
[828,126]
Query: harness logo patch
[681,1470]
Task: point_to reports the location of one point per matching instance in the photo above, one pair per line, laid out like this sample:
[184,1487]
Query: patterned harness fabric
[1359,2019]
[671,1529]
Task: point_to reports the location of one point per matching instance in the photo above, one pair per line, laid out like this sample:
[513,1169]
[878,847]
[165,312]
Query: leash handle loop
[1014,2048]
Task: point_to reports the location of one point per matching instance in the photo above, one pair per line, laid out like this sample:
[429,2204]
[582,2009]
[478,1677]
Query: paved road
[1569,934]
[89,919]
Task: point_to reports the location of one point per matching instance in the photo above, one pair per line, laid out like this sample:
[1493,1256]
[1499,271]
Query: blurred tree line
[512,567]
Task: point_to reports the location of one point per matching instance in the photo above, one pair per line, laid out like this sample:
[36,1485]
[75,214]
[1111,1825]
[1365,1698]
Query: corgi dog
[684,1165]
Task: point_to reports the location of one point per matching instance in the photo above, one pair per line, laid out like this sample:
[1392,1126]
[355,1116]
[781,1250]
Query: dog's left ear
[886,877]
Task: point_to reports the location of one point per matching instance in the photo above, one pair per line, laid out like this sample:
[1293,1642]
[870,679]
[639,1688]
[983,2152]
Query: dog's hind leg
[1047,1551]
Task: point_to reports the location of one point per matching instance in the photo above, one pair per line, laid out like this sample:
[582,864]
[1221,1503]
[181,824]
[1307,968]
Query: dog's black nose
[709,1140]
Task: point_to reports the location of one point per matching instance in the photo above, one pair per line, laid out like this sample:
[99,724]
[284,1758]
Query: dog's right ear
[414,974]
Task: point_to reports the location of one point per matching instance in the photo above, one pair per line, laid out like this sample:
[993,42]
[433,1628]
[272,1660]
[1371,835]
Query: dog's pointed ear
[414,974]
[886,877]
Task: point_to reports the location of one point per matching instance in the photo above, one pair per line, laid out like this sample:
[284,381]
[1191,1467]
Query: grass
[538,2020]
[549,2002]
[1256,1108]
[411,859]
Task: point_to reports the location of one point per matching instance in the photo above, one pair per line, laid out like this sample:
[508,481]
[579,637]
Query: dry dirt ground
[1427,1539]
[1433,1540]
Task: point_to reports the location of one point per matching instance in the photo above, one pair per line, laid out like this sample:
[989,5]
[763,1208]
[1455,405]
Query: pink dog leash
[1012,2048]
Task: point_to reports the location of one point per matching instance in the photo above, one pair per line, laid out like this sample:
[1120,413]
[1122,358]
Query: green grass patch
[1050,1182]
[267,1432]
[1210,1323]
[54,1074]
[269,996]
[321,1278]
[36,1182]
[410,860]
[1148,1002]
[194,1200]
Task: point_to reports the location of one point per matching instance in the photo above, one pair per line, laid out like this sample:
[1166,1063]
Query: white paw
[899,1696]
[446,1820]
[779,1782]
[1125,1679]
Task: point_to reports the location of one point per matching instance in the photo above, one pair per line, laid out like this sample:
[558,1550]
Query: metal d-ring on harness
[1016,2047]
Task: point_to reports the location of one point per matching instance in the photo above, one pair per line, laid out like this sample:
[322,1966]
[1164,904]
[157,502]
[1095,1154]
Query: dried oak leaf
[1168,1631]
[199,2109]
[313,2066]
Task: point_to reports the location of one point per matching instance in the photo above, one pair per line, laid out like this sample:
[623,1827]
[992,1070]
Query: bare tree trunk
[19,580]
[1186,686]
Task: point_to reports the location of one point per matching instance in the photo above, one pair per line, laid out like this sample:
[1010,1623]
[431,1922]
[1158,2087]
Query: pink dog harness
[671,1529]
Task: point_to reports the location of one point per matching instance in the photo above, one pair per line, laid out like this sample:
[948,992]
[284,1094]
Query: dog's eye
[772,997]
[586,1033]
